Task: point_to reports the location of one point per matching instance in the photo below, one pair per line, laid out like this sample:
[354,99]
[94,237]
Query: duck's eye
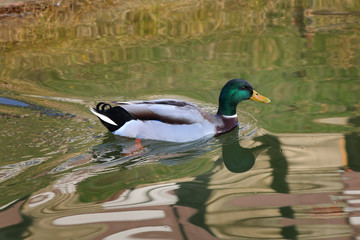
[243,88]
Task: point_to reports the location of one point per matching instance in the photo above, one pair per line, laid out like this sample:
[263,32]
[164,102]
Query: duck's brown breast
[226,124]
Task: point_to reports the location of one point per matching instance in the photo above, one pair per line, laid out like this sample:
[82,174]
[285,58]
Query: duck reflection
[116,150]
[278,162]
[352,145]
[236,158]
[110,149]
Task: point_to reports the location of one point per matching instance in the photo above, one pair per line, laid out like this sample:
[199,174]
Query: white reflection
[138,215]
[58,98]
[11,170]
[128,234]
[40,199]
[67,184]
[352,192]
[354,220]
[146,196]
[354,201]
[335,120]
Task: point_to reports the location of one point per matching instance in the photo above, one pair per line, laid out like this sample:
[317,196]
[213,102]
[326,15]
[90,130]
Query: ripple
[12,170]
[146,196]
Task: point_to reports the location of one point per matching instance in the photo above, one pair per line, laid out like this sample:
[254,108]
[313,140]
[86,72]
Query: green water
[290,171]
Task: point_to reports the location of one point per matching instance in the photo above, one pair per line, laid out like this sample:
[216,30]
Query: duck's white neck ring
[232,116]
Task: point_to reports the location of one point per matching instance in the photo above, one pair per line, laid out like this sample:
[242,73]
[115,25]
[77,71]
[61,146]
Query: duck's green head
[235,91]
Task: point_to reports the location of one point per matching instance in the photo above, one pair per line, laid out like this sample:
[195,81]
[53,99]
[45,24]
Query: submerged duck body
[176,120]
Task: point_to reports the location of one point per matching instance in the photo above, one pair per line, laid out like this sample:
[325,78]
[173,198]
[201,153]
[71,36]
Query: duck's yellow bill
[259,98]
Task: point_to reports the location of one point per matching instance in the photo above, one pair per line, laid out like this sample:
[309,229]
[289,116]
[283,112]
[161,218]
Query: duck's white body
[157,130]
[166,120]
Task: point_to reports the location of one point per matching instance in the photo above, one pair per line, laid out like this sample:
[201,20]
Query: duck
[174,120]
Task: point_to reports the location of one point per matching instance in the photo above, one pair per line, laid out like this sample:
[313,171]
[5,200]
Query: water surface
[289,171]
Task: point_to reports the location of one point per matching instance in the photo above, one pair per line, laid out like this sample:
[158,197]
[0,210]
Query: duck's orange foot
[135,149]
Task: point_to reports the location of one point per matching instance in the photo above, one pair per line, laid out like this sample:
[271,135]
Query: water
[290,171]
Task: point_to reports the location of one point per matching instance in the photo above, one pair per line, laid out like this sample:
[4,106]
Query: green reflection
[236,158]
[352,145]
[278,163]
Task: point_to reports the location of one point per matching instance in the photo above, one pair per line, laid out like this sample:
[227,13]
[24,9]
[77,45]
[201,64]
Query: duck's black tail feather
[112,118]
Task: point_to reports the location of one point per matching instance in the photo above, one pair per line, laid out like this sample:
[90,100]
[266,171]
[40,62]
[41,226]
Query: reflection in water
[41,109]
[117,150]
[140,205]
[353,151]
[12,170]
[14,224]
[278,163]
[12,102]
[258,194]
[352,145]
[197,197]
[236,158]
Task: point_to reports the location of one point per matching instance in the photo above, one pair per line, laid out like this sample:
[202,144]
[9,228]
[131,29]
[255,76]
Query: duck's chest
[226,124]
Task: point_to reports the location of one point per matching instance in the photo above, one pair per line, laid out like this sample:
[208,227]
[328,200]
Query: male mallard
[175,120]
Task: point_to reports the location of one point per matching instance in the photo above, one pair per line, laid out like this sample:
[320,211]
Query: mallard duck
[176,120]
